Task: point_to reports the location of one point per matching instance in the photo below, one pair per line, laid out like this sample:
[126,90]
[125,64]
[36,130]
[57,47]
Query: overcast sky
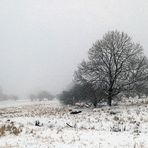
[43,41]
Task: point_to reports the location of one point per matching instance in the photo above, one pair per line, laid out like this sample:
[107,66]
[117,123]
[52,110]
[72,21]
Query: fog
[43,41]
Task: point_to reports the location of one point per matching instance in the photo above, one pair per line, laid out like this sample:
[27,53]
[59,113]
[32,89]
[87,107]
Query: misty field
[49,124]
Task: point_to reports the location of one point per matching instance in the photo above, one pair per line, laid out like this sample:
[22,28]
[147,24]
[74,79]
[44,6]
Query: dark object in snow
[116,128]
[11,122]
[37,123]
[69,125]
[75,112]
[70,110]
[112,113]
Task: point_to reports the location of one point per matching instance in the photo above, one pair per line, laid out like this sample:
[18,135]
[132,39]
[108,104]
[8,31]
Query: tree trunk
[110,97]
[95,102]
[109,100]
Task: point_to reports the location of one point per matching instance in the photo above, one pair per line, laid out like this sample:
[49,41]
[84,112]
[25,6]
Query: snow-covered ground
[124,126]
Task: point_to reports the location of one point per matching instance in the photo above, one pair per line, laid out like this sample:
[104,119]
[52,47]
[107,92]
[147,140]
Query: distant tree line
[4,96]
[42,95]
[116,67]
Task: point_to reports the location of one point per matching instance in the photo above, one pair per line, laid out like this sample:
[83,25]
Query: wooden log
[75,112]
[69,125]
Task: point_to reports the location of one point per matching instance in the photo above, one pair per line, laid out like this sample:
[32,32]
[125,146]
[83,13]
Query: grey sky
[42,41]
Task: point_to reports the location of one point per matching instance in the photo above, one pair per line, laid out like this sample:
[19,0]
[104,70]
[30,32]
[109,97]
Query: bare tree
[32,97]
[115,64]
[41,96]
[45,95]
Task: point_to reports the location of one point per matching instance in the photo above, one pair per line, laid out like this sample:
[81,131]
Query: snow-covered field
[124,126]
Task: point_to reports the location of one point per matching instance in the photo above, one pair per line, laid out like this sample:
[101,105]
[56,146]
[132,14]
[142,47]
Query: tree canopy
[115,65]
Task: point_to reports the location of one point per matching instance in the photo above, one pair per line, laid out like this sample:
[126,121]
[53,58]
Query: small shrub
[16,131]
[116,128]
[112,113]
[116,118]
[2,130]
[10,128]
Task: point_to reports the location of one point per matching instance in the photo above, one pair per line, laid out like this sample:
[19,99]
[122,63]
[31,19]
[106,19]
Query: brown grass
[2,130]
[9,128]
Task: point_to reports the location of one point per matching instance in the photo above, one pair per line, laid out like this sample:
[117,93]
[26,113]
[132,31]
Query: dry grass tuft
[10,128]
[2,130]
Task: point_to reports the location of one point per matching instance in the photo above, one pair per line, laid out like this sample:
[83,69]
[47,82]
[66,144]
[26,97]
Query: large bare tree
[115,64]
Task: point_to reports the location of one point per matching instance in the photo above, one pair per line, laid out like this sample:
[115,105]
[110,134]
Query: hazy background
[42,41]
